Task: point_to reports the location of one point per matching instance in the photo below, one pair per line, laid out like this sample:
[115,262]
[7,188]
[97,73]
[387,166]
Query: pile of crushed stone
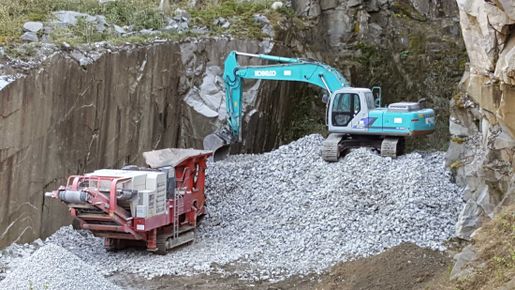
[288,212]
[54,268]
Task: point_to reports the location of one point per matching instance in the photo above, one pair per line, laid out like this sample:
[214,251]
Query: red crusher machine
[156,207]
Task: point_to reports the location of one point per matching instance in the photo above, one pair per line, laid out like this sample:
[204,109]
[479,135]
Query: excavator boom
[284,69]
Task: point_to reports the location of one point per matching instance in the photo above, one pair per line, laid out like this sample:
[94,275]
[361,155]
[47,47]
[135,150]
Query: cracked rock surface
[288,212]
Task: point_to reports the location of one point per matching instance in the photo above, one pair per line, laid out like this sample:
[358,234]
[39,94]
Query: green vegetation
[24,53]
[374,61]
[495,245]
[417,43]
[307,116]
[239,13]
[139,14]
[82,32]
[403,8]
[458,140]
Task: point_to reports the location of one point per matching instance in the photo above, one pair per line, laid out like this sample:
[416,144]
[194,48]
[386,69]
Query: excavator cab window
[345,107]
[378,96]
[371,104]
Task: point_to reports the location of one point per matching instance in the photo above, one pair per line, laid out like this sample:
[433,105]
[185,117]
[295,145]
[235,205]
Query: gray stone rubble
[53,268]
[288,212]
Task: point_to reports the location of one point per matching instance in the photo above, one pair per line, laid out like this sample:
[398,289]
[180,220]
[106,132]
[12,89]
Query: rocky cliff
[482,120]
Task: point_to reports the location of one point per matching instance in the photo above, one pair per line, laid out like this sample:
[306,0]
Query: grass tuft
[495,245]
[239,13]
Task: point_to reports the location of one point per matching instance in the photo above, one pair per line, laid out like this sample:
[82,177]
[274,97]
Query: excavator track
[331,148]
[392,147]
[337,145]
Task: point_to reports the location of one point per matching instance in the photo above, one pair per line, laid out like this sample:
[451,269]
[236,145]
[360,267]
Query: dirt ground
[406,266]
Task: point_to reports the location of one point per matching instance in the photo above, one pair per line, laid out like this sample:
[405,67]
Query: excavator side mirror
[325,98]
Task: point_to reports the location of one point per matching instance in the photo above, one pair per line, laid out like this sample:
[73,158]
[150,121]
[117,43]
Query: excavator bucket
[219,144]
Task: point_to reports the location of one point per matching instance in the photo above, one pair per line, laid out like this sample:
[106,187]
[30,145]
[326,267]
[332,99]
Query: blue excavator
[354,116]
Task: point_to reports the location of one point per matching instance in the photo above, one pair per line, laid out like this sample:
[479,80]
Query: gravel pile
[288,212]
[52,267]
[293,213]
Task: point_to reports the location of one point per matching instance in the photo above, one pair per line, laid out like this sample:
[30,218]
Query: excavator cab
[348,110]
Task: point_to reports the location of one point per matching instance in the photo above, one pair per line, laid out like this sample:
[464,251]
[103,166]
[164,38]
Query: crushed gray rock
[119,30]
[221,21]
[29,37]
[277,5]
[182,15]
[72,17]
[52,267]
[288,212]
[291,204]
[33,26]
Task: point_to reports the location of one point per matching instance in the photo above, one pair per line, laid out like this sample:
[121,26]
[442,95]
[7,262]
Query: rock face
[483,113]
[66,118]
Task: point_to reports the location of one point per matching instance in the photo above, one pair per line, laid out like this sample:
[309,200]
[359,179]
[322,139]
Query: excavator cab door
[345,107]
[348,111]
[377,93]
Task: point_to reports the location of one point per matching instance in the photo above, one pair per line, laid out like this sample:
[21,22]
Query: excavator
[354,116]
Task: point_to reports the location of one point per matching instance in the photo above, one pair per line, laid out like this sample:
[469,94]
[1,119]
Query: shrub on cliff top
[138,13]
[239,13]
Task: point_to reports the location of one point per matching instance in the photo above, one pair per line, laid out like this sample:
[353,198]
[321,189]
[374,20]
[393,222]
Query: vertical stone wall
[482,120]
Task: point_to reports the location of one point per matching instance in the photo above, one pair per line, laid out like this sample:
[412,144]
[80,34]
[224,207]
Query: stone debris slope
[289,212]
[292,212]
[52,267]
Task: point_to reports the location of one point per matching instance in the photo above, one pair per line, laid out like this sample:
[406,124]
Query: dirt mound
[403,267]
[406,266]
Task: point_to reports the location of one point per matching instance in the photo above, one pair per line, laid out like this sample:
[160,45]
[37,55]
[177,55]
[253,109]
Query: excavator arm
[284,69]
